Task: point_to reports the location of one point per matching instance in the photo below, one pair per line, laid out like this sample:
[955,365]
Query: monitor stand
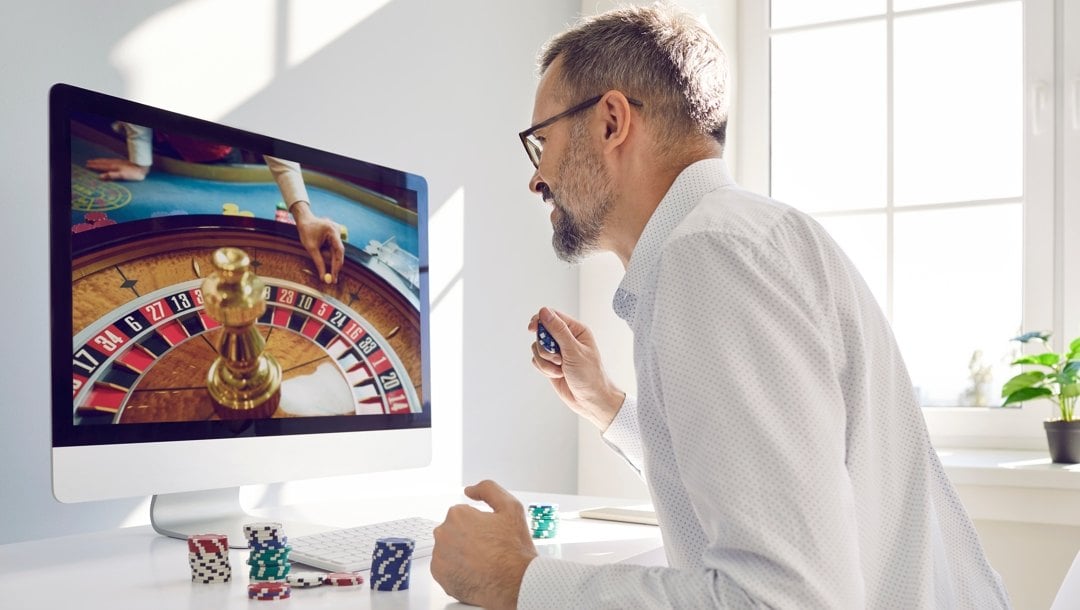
[213,511]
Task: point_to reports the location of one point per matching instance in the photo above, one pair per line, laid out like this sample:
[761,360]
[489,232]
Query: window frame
[1049,302]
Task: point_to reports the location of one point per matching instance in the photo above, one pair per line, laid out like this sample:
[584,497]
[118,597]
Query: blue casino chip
[546,340]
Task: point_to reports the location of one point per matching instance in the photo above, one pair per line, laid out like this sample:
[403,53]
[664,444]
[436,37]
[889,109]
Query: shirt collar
[685,193]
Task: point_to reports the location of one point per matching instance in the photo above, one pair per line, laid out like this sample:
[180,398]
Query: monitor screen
[191,314]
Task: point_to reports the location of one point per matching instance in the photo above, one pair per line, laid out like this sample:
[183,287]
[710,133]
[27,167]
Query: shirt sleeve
[140,143]
[289,179]
[756,420]
[624,436]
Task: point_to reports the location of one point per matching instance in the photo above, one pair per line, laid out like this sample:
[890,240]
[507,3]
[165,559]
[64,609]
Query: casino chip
[546,340]
[208,558]
[268,560]
[269,591]
[543,520]
[390,564]
[344,579]
[305,580]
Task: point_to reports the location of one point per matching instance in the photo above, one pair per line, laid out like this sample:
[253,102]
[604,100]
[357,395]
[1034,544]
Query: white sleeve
[289,179]
[756,419]
[624,436]
[140,143]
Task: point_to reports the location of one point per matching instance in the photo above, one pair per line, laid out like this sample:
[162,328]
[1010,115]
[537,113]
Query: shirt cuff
[289,179]
[624,434]
[551,583]
[139,142]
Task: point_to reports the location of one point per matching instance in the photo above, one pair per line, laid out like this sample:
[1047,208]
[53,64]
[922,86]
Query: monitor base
[212,511]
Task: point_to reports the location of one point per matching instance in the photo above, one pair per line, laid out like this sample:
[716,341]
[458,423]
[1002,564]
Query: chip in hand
[546,340]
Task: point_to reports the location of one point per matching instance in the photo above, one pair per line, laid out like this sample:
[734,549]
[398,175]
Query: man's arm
[624,435]
[140,149]
[756,422]
[289,179]
[320,236]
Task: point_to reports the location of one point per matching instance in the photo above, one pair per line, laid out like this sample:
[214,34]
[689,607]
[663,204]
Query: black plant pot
[1063,437]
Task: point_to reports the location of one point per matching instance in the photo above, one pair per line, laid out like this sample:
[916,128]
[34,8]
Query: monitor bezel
[66,101]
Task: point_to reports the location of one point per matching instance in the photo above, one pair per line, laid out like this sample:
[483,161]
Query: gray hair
[659,54]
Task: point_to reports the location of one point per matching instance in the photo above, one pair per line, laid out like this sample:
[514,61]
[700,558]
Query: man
[774,422]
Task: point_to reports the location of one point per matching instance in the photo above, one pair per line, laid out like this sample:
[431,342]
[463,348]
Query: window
[930,138]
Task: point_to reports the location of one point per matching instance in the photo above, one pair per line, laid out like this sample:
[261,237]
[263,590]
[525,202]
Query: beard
[586,186]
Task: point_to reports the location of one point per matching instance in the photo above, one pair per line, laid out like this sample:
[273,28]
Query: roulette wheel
[144,340]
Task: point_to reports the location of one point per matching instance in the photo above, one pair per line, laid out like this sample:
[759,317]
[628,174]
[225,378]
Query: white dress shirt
[776,426]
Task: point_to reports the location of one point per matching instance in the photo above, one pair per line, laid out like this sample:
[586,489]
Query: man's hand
[117,169]
[321,237]
[480,557]
[575,371]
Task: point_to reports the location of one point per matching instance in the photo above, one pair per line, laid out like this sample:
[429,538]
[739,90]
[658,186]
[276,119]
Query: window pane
[786,13]
[958,78]
[828,117]
[907,5]
[957,281]
[862,238]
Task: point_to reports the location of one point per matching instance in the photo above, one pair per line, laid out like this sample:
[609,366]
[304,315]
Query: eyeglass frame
[524,135]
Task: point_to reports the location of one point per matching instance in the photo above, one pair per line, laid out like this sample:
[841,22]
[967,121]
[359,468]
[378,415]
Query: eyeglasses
[534,148]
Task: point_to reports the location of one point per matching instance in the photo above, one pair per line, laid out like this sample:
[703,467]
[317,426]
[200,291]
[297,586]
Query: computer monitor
[203,349]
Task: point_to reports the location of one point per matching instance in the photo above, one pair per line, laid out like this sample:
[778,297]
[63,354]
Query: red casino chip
[208,543]
[344,579]
[269,591]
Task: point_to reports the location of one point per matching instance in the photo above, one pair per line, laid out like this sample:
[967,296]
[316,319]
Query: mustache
[548,196]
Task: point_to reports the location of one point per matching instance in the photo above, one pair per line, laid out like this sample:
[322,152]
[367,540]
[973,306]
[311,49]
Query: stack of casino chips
[269,558]
[208,557]
[390,563]
[544,520]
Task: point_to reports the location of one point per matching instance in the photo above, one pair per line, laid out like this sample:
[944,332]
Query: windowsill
[1008,468]
[1018,486]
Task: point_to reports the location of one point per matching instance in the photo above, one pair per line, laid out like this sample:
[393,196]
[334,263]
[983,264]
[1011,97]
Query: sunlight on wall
[447,252]
[311,26]
[447,264]
[200,57]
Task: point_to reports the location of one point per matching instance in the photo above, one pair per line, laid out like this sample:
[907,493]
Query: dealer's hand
[117,169]
[321,237]
[480,557]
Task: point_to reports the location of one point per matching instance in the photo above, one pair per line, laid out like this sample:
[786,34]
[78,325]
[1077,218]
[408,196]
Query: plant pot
[1063,437]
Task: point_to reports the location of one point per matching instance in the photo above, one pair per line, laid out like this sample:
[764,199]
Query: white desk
[137,568]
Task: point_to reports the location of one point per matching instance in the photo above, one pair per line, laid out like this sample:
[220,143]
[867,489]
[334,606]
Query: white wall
[436,88]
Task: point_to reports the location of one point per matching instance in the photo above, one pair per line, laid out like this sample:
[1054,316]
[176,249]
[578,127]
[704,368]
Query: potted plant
[1057,378]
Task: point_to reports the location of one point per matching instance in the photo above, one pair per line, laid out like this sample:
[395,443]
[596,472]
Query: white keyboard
[349,549]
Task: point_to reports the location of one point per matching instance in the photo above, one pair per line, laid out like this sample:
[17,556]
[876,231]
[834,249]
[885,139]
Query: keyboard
[349,549]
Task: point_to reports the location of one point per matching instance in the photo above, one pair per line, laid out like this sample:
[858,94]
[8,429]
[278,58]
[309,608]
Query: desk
[137,568]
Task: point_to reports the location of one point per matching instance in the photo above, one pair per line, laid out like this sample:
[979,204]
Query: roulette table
[178,188]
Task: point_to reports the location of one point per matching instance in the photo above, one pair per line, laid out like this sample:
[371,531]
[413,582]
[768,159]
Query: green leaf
[1024,394]
[1074,348]
[1035,334]
[1047,359]
[1023,380]
[1070,390]
[1069,371]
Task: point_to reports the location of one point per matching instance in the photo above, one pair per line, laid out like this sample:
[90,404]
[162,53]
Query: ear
[616,116]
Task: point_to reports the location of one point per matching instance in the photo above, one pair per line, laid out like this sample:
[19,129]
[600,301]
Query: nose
[536,183]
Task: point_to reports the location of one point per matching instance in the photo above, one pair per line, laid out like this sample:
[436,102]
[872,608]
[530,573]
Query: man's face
[571,176]
[580,192]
